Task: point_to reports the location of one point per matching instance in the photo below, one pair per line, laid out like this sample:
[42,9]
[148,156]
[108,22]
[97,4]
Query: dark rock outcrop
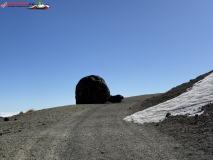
[116,98]
[92,89]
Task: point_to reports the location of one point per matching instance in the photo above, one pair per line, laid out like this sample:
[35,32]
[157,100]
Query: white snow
[187,103]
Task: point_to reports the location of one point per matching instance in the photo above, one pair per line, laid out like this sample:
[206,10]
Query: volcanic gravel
[194,133]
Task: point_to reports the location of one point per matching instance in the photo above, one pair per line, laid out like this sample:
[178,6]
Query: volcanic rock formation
[91,89]
[116,99]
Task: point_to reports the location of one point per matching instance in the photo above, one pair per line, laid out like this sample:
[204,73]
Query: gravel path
[98,131]
[93,131]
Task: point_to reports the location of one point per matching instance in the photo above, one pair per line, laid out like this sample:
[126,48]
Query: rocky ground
[43,133]
[196,132]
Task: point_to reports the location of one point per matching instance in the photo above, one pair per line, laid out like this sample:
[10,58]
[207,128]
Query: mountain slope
[194,133]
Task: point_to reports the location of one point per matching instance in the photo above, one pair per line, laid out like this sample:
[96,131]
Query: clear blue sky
[138,47]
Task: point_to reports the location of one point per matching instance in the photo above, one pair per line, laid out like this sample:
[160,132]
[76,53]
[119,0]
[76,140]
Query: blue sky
[137,46]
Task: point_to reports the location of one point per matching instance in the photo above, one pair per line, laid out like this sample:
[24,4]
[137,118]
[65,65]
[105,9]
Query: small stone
[168,114]
[6,119]
[196,116]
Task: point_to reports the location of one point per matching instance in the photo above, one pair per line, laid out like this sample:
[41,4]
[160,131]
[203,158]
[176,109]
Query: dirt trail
[97,132]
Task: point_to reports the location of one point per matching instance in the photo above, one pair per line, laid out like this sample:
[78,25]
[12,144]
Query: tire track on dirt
[102,133]
[48,143]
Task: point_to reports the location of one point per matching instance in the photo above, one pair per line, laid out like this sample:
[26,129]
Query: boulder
[91,89]
[116,98]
